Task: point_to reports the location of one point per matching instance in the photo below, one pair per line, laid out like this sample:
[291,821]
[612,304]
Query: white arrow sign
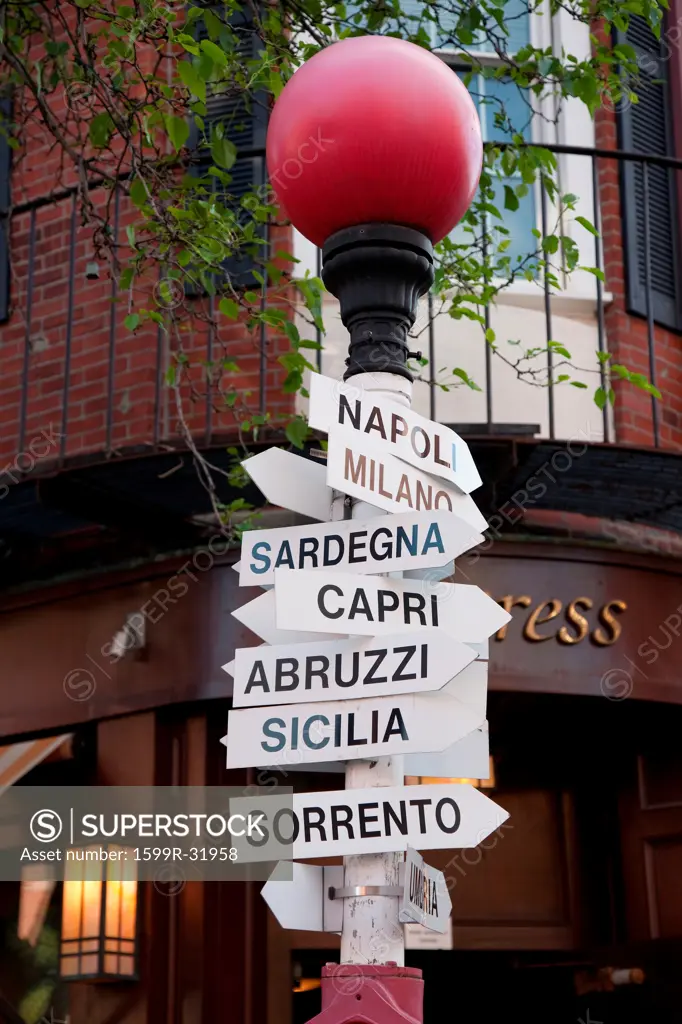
[357,466]
[429,446]
[258,615]
[345,730]
[426,899]
[412,540]
[291,482]
[302,826]
[373,606]
[346,669]
[468,758]
[298,896]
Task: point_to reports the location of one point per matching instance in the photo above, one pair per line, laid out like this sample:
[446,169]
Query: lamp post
[374,152]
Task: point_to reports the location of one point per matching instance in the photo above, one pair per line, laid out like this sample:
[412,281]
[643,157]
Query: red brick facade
[113,378]
[627,334]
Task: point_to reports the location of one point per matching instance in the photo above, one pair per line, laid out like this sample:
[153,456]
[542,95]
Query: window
[244,122]
[504,111]
[499,97]
[5,170]
[645,127]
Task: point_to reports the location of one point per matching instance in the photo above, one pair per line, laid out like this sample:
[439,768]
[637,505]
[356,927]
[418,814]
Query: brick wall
[112,378]
[627,335]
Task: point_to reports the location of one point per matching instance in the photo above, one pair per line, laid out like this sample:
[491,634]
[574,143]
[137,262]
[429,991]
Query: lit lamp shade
[374,130]
[99,918]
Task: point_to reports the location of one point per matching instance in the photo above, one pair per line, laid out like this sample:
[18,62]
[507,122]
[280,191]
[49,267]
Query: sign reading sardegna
[357,665]
[390,544]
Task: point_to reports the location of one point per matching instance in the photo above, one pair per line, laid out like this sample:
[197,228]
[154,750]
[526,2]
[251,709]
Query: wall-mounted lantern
[99,940]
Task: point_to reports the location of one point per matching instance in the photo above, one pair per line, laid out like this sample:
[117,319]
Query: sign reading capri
[411,540]
[355,821]
[370,605]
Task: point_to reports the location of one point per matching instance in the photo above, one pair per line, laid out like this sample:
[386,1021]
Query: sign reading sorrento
[346,669]
[371,606]
[430,446]
[356,821]
[412,540]
[359,467]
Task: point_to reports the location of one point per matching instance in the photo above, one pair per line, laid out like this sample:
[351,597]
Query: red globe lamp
[374,152]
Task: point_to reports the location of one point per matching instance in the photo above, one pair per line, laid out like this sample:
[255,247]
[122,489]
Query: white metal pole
[372,933]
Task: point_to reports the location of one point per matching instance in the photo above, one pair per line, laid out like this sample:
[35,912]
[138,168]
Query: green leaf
[297,431]
[586,224]
[100,130]
[291,331]
[578,384]
[600,398]
[177,129]
[229,308]
[132,321]
[224,152]
[138,193]
[190,77]
[214,52]
[511,201]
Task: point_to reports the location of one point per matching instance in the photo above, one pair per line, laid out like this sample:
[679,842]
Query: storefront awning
[19,758]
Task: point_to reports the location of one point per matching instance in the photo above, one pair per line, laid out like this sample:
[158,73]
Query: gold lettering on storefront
[576,626]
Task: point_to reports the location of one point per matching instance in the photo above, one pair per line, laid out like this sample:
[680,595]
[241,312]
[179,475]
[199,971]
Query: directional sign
[411,540]
[357,466]
[426,899]
[259,616]
[468,758]
[414,439]
[346,669]
[298,896]
[345,730]
[302,826]
[373,606]
[291,482]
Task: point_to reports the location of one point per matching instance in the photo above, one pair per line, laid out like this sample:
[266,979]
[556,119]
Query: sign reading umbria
[426,899]
[412,540]
[357,466]
[414,439]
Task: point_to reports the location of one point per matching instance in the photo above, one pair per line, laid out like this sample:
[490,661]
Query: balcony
[96,458]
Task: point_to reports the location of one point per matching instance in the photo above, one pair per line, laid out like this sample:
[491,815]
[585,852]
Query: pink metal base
[371,994]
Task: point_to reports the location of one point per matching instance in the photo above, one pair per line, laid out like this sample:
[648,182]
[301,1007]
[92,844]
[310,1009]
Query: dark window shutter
[645,127]
[5,171]
[244,119]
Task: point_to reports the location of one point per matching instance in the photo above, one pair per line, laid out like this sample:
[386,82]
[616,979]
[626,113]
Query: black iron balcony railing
[74,372]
